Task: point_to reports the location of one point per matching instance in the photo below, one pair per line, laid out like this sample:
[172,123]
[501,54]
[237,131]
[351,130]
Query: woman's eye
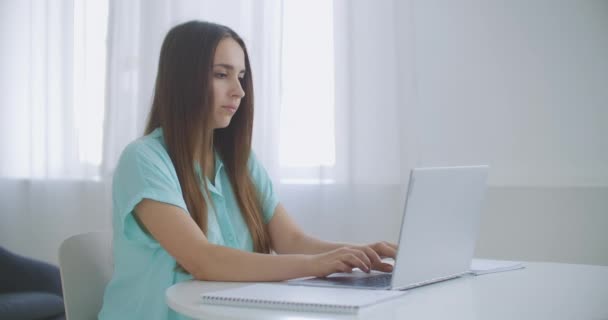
[221,75]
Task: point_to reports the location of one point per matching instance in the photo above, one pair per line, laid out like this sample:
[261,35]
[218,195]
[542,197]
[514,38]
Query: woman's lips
[232,109]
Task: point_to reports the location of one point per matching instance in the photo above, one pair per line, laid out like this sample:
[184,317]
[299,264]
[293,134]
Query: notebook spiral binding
[285,305]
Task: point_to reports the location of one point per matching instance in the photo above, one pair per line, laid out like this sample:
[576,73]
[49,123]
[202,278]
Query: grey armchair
[29,289]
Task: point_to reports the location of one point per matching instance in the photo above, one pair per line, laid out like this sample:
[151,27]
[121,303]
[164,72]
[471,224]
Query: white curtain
[51,116]
[374,128]
[52,100]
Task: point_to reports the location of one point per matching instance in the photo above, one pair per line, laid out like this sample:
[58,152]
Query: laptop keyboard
[375,281]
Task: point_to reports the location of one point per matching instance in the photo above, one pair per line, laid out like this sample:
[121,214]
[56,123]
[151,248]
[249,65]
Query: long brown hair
[182,107]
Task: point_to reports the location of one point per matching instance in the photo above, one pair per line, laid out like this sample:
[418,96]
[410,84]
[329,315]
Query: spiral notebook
[297,298]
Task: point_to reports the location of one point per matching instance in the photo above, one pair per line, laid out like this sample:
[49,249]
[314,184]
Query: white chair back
[86,266]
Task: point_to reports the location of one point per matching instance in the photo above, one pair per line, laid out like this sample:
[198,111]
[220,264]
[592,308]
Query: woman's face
[228,72]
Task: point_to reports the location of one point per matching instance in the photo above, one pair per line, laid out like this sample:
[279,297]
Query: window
[54,72]
[307,145]
[90,25]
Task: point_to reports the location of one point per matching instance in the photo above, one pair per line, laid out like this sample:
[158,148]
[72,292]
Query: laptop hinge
[431,281]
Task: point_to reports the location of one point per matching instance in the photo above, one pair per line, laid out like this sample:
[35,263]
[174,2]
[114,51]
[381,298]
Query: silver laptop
[438,233]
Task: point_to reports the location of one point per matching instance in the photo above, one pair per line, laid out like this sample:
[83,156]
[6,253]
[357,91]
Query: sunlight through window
[307,101]
[90,25]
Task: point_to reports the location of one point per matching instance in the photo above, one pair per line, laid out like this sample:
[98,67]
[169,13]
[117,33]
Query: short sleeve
[266,194]
[144,171]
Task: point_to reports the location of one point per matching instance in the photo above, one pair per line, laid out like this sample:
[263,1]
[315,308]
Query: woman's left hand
[376,251]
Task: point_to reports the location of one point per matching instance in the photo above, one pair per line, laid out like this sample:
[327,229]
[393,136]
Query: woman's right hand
[343,259]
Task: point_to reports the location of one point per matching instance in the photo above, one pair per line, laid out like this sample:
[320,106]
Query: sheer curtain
[51,117]
[355,196]
[52,88]
[376,141]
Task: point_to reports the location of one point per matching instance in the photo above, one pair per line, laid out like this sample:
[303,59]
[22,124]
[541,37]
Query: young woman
[190,199]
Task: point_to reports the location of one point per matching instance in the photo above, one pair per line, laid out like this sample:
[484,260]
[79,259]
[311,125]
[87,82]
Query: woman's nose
[237,90]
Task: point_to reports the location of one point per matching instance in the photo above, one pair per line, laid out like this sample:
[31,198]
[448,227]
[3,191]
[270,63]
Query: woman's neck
[208,161]
[206,157]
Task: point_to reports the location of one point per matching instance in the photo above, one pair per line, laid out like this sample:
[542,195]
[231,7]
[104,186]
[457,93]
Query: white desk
[540,291]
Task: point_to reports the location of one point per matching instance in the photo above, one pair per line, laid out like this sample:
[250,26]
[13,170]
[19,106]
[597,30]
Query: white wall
[36,216]
[521,85]
[566,224]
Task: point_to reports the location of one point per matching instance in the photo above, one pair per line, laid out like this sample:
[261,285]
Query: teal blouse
[143,270]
